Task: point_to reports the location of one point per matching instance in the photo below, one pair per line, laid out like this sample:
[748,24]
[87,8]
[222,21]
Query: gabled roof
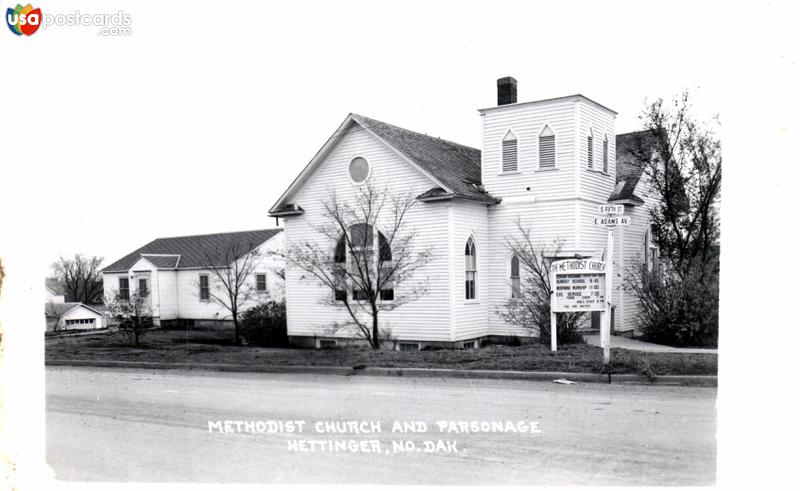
[163,261]
[629,166]
[456,166]
[193,251]
[453,168]
[58,309]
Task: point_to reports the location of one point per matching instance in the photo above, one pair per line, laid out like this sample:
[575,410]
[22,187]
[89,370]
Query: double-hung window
[124,289]
[204,292]
[261,282]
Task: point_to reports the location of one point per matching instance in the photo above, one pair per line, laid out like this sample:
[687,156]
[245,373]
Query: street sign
[580,285]
[611,209]
[612,221]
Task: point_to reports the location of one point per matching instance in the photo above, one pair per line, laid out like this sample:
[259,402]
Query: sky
[200,119]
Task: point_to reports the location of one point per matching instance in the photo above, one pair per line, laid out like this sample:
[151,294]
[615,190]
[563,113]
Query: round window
[359,169]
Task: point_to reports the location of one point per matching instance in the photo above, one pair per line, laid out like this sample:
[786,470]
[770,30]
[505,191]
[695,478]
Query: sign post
[578,285]
[553,315]
[613,218]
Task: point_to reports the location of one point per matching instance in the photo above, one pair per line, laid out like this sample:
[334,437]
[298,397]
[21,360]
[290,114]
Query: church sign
[579,285]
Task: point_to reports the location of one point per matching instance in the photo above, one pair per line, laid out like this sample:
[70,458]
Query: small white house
[68,316]
[548,163]
[176,278]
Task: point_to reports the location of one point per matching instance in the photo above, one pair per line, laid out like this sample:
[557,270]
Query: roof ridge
[280,229]
[416,132]
[633,132]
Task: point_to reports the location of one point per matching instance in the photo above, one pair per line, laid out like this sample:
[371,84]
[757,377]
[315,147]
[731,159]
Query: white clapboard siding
[175,294]
[471,317]
[595,185]
[547,222]
[167,294]
[527,122]
[82,318]
[190,306]
[633,243]
[425,319]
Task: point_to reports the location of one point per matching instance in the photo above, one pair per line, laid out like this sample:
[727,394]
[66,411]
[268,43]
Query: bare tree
[133,314]
[232,269]
[81,278]
[683,162]
[53,313]
[529,305]
[367,258]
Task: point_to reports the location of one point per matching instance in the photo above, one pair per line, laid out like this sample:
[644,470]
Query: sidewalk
[635,344]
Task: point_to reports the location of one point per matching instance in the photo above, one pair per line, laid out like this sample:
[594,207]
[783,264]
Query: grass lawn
[210,346]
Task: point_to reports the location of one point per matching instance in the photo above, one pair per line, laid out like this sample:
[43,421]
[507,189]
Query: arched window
[470,269]
[547,149]
[360,262]
[510,152]
[515,285]
[605,153]
[651,253]
[590,149]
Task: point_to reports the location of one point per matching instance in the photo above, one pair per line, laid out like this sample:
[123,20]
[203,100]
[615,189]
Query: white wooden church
[548,163]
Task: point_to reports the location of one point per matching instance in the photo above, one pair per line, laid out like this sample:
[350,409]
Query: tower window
[510,153]
[547,149]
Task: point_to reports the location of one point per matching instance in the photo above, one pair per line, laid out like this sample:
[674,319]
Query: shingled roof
[54,285]
[192,251]
[629,168]
[456,166]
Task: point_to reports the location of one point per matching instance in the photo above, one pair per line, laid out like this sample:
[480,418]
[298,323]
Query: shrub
[265,324]
[132,316]
[679,308]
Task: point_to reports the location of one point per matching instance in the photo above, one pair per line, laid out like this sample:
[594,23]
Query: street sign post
[613,218]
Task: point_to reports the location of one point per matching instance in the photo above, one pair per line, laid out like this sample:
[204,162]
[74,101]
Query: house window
[261,282]
[651,252]
[124,289]
[358,169]
[605,154]
[360,264]
[143,291]
[408,346]
[470,269]
[590,149]
[547,149]
[204,293]
[327,343]
[515,287]
[510,153]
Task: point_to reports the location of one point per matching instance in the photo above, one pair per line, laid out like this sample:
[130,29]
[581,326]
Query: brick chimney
[506,91]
